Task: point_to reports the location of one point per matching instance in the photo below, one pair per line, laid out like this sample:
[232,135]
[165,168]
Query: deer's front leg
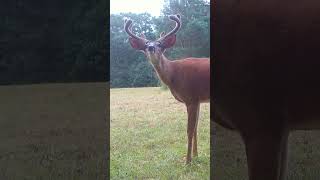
[195,134]
[266,153]
[192,110]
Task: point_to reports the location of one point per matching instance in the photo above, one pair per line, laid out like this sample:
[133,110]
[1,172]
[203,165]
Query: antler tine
[128,29]
[177,19]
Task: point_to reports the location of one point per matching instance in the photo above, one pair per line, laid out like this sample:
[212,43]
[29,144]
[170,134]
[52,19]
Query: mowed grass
[53,131]
[230,158]
[148,136]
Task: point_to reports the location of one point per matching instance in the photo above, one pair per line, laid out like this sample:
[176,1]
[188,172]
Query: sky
[136,6]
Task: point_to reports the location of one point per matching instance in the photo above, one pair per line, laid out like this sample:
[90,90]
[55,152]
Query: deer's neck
[163,70]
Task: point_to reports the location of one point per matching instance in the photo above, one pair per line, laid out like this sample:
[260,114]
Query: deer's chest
[176,95]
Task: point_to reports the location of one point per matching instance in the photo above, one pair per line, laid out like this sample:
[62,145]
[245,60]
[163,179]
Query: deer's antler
[177,19]
[128,29]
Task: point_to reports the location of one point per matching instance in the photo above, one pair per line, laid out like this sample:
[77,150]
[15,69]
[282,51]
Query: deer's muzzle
[151,48]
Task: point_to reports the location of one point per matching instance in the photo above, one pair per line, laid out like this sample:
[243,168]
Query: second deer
[188,79]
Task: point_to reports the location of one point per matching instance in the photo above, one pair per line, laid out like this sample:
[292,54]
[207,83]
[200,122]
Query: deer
[188,79]
[266,76]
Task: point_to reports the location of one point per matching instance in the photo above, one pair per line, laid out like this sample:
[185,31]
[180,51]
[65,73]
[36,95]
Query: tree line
[68,41]
[129,68]
[53,41]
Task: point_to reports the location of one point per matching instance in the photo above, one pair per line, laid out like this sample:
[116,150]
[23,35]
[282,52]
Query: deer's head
[153,49]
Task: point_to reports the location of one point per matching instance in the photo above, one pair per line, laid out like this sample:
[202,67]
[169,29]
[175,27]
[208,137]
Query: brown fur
[189,79]
[266,76]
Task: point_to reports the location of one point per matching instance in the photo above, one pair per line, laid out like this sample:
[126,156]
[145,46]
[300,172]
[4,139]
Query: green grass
[230,159]
[148,136]
[53,131]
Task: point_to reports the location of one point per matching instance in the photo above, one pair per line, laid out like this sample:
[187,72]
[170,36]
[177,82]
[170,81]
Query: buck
[188,79]
[266,76]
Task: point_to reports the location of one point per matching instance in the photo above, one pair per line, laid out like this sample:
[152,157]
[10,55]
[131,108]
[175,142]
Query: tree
[53,41]
[129,68]
[193,38]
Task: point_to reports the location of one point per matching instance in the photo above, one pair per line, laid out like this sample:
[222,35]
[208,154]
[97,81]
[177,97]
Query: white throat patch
[153,58]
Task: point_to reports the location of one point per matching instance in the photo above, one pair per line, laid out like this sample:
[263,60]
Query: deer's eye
[146,44]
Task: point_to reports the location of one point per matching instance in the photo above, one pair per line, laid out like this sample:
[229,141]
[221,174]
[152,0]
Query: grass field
[53,131]
[148,141]
[57,131]
[148,136]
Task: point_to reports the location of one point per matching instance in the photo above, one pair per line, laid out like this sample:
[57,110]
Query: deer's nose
[151,48]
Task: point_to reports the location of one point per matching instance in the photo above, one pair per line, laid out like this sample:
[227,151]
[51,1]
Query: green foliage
[193,39]
[49,41]
[129,68]
[85,45]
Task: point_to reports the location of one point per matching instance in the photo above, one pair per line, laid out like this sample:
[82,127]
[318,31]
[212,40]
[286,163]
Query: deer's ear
[169,41]
[136,43]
